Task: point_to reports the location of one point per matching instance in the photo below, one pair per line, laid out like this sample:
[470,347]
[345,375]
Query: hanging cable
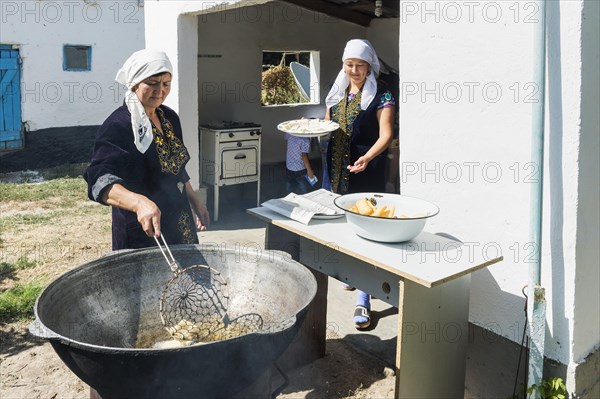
[521,347]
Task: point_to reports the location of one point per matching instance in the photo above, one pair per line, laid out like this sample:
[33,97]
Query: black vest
[365,132]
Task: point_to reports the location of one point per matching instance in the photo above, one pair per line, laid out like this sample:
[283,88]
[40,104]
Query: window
[77,58]
[290,78]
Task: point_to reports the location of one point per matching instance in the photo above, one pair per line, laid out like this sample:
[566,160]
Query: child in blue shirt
[300,178]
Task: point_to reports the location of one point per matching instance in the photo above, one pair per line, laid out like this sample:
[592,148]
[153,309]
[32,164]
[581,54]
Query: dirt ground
[70,233]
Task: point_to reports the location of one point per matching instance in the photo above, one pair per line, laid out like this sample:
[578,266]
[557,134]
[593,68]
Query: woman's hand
[148,215]
[385,116]
[199,209]
[147,212]
[202,217]
[360,165]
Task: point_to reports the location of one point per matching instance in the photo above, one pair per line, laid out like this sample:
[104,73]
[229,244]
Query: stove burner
[229,125]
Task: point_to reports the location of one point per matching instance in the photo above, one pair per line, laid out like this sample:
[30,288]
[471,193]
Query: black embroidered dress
[158,174]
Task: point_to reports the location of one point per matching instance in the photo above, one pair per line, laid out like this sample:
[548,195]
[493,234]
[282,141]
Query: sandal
[362,311]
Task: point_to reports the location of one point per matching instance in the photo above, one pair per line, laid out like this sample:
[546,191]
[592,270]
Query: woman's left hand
[385,117]
[198,208]
[360,165]
[202,216]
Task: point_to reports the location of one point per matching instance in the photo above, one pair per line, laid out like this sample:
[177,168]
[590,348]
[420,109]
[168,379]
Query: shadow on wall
[492,359]
[46,148]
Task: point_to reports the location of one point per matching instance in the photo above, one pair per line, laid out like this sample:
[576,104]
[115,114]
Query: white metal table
[427,279]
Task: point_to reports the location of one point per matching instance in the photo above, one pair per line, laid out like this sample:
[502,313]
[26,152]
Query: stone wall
[46,148]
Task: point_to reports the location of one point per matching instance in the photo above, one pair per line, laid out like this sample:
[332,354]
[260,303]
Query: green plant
[550,389]
[6,268]
[22,263]
[547,389]
[17,302]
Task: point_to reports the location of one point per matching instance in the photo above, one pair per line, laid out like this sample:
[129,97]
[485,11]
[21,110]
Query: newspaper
[303,208]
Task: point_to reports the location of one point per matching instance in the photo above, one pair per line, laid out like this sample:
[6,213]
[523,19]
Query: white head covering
[138,67]
[361,49]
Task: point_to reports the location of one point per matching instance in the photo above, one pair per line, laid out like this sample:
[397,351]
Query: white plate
[325,217]
[308,127]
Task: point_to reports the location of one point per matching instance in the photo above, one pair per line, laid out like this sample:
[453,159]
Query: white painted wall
[465,122]
[455,140]
[383,35]
[52,97]
[586,328]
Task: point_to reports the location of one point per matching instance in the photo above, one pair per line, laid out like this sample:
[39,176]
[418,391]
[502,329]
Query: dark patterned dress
[358,131]
[158,174]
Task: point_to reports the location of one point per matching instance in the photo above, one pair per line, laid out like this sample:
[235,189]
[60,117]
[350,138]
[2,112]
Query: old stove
[230,154]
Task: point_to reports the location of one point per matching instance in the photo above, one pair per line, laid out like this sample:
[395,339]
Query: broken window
[290,78]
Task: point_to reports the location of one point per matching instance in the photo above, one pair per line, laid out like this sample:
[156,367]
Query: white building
[465,122]
[68,54]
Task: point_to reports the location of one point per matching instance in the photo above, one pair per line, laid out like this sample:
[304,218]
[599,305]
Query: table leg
[309,344]
[258,191]
[216,203]
[432,339]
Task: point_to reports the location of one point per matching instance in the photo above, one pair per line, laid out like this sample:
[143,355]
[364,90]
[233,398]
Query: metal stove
[230,154]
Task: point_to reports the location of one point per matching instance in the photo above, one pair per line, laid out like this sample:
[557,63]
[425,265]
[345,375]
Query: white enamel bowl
[414,212]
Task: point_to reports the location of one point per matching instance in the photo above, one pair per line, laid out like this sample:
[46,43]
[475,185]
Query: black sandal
[362,311]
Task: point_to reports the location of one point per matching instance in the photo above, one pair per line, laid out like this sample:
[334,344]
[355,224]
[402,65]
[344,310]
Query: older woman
[138,162]
[356,153]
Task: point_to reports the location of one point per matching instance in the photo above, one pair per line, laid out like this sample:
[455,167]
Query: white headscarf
[361,49]
[138,67]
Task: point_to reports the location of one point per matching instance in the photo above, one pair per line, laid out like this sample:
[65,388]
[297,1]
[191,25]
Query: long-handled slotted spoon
[194,302]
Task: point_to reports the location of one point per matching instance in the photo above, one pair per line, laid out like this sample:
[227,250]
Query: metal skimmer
[194,302]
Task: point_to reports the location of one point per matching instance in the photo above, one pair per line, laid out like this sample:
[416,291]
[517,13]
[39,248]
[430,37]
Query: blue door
[11,132]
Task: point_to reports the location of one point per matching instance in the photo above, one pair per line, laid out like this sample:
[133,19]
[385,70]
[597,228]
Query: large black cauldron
[97,314]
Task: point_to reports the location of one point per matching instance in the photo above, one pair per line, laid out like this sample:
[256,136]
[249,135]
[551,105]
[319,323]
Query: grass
[64,194]
[14,221]
[21,264]
[67,188]
[63,202]
[17,302]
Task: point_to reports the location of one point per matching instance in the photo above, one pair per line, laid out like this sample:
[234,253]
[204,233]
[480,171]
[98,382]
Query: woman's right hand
[148,215]
[147,212]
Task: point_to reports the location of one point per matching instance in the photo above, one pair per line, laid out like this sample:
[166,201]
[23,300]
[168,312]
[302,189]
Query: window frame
[89,57]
